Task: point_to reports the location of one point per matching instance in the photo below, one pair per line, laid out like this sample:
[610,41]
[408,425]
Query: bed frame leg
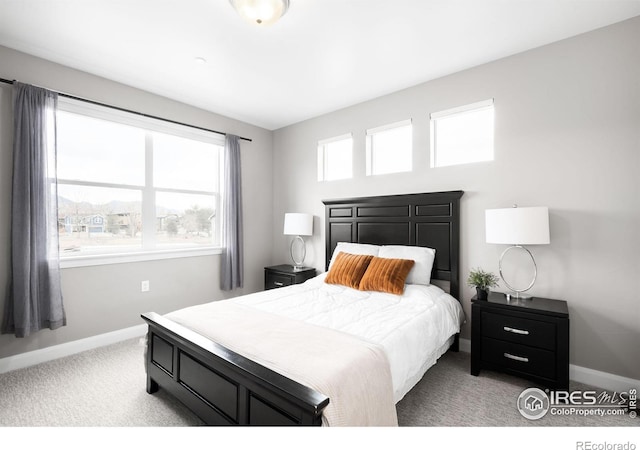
[456,343]
[152,386]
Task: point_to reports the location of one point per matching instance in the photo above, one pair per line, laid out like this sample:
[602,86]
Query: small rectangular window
[389,148]
[462,135]
[335,158]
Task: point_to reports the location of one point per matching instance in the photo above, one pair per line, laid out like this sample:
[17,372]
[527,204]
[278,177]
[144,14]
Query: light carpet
[105,387]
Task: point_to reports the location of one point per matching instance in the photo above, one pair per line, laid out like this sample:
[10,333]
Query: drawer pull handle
[278,283]
[515,330]
[516,358]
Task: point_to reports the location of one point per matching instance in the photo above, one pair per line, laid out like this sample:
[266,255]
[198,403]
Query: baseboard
[602,380]
[596,378]
[69,348]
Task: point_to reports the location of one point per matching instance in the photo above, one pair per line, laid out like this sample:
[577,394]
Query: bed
[224,379]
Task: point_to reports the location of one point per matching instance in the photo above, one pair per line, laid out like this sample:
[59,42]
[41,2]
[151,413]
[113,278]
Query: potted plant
[482,281]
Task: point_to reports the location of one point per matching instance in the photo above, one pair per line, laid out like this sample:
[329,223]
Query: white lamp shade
[518,226]
[298,224]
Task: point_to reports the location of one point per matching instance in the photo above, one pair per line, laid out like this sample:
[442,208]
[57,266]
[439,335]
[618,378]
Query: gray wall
[106,298]
[567,136]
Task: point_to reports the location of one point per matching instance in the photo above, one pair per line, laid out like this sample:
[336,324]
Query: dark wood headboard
[424,220]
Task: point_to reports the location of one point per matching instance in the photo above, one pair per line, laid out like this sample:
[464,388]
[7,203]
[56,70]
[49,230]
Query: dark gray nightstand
[285,275]
[527,338]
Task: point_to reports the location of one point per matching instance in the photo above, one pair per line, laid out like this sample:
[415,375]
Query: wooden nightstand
[527,338]
[284,275]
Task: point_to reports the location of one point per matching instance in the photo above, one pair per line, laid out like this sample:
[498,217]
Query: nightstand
[523,337]
[285,275]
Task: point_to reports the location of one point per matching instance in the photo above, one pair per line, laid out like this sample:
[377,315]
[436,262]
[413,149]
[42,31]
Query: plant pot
[481,294]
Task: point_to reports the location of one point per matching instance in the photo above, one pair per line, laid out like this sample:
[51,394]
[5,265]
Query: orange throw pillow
[348,269]
[386,275]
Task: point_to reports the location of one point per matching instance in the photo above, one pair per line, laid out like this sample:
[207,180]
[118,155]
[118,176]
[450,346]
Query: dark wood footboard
[221,386]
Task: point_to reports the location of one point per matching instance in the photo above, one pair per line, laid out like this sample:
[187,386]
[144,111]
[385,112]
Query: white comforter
[353,373]
[414,329]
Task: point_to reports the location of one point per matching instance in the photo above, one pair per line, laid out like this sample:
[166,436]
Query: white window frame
[323,157]
[472,107]
[149,251]
[371,132]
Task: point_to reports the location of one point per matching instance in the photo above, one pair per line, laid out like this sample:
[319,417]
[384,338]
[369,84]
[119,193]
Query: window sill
[120,258]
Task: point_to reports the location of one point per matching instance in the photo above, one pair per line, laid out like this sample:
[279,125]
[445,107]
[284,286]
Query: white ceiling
[321,56]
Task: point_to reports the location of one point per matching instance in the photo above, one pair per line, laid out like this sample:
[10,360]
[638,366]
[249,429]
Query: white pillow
[354,249]
[423,257]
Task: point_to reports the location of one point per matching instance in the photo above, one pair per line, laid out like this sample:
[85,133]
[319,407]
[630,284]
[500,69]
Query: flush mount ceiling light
[261,12]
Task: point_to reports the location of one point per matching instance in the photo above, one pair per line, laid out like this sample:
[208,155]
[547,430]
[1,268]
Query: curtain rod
[73,97]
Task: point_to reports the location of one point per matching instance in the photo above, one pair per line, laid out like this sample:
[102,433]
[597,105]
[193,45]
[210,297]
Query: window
[389,148]
[462,135]
[335,158]
[132,185]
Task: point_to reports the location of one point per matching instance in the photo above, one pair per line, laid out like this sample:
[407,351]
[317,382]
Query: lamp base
[518,293]
[517,296]
[298,268]
[297,263]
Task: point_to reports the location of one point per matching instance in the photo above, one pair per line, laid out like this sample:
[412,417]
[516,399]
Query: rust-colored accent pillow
[348,269]
[386,275]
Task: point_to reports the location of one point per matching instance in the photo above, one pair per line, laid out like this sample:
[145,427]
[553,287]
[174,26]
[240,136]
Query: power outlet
[144,286]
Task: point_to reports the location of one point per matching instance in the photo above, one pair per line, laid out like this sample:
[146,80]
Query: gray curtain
[232,272]
[34,299]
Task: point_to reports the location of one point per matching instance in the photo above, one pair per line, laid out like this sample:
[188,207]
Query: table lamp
[518,227]
[298,225]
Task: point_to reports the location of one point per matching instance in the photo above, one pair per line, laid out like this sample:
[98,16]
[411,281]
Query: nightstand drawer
[286,275]
[276,280]
[522,358]
[519,330]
